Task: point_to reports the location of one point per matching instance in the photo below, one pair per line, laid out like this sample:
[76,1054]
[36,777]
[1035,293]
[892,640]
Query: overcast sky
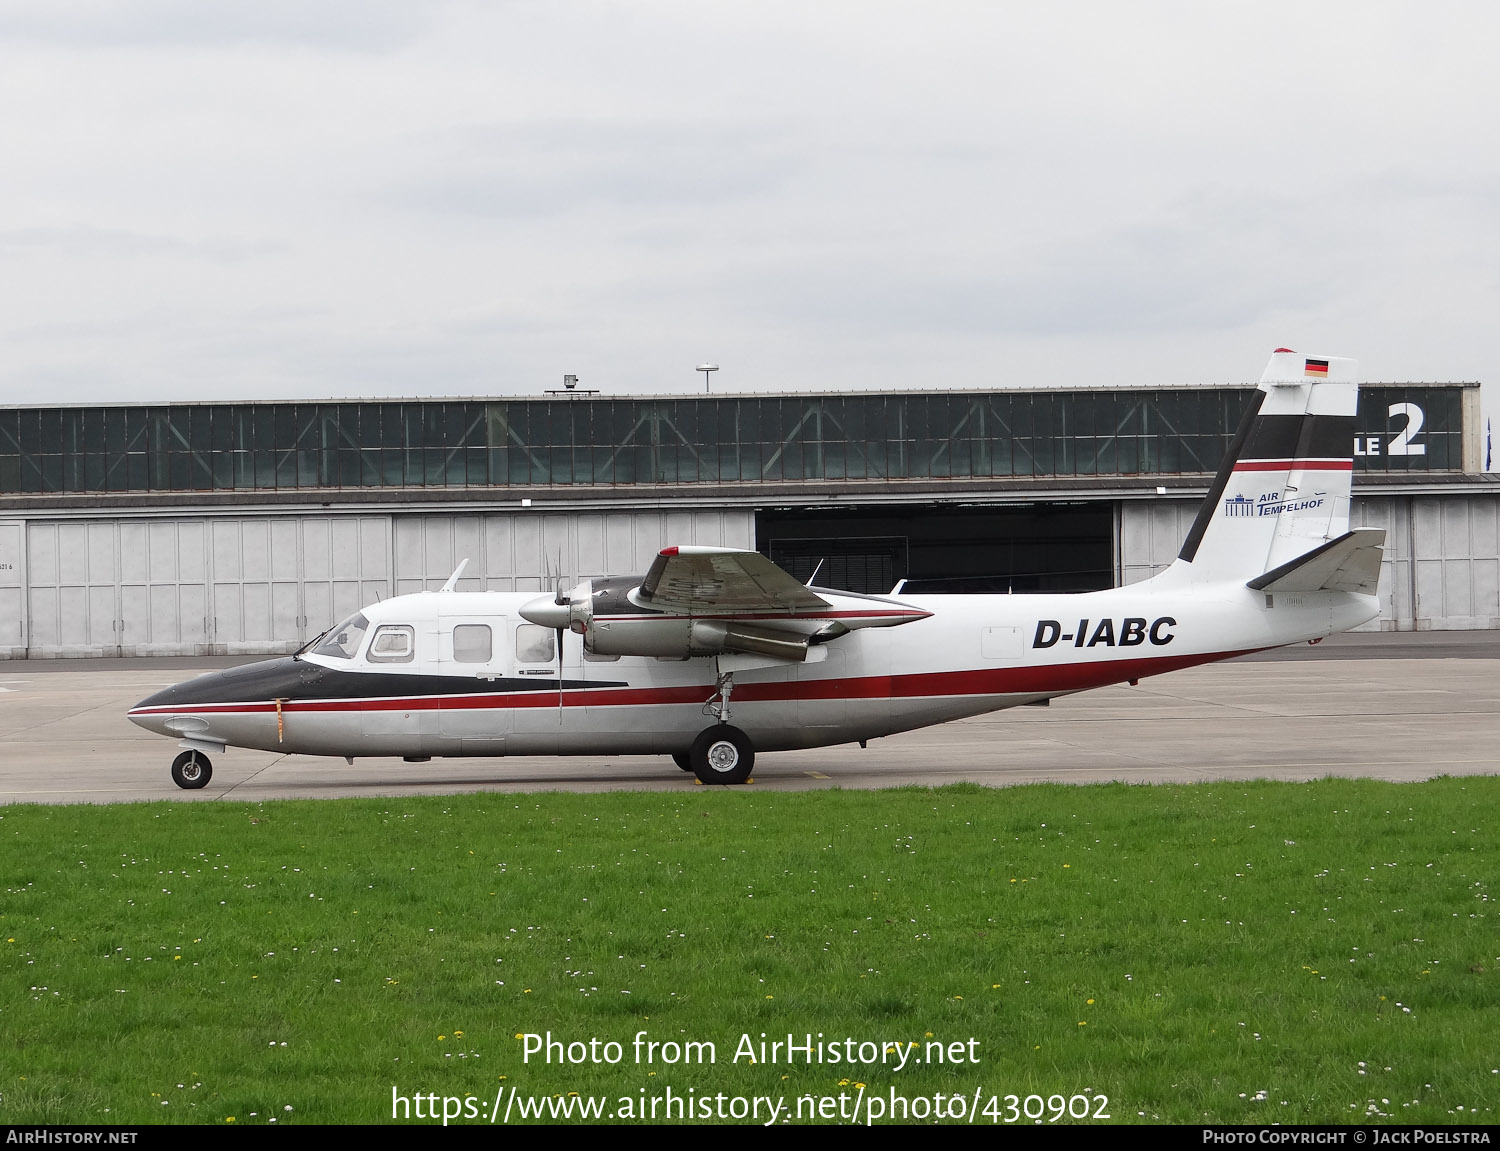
[306,198]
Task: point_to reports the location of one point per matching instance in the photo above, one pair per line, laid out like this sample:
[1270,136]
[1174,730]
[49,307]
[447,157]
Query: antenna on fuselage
[458,571]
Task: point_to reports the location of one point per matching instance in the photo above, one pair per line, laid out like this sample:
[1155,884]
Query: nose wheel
[722,754]
[192,770]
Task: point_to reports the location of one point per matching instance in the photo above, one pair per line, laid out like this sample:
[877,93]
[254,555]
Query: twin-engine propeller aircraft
[717,654]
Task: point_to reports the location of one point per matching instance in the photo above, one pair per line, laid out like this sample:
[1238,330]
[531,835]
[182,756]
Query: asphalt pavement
[1397,706]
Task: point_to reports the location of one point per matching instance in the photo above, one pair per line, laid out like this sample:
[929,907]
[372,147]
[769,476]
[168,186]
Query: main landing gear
[192,770]
[721,754]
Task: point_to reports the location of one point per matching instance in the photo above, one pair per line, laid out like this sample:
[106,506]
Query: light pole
[705,369]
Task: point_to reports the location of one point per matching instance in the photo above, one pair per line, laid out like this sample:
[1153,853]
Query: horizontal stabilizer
[1350,563]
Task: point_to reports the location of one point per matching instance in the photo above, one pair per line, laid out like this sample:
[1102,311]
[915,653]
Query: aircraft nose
[164,698]
[149,713]
[163,711]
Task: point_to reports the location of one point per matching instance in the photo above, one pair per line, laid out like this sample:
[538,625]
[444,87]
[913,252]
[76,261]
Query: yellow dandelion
[460,1034]
[1091,1002]
[229,1119]
[1081,1023]
[520,1035]
[860,1086]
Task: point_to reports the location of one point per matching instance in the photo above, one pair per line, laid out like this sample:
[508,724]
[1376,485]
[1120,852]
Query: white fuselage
[972,654]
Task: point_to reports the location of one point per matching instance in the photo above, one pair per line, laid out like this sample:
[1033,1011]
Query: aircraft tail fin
[1282,493]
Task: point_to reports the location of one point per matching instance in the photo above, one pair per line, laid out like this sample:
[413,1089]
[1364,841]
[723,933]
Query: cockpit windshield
[343,641]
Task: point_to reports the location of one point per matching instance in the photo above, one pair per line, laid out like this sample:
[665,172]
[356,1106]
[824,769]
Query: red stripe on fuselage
[1033,680]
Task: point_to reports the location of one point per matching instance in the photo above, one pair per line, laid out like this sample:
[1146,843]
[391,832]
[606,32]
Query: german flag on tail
[1317,369]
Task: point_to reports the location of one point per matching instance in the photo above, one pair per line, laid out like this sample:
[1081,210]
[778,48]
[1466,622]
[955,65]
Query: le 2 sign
[1401,443]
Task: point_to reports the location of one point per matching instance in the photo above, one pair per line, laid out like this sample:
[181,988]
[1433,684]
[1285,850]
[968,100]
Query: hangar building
[223,528]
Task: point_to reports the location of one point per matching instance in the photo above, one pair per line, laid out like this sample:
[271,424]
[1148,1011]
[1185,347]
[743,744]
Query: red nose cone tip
[1280,350]
[671,551]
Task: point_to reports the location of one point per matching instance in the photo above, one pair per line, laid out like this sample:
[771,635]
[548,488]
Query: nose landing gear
[192,770]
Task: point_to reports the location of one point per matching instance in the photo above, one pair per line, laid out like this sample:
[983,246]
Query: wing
[723,581]
[713,601]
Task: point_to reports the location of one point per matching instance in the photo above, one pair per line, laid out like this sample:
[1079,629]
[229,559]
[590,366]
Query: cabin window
[393,643]
[472,643]
[343,641]
[535,644]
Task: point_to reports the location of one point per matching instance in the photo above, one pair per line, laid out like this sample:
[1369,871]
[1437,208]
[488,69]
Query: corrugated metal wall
[264,584]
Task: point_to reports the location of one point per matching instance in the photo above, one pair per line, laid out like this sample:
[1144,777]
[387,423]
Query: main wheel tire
[722,754]
[683,760]
[192,770]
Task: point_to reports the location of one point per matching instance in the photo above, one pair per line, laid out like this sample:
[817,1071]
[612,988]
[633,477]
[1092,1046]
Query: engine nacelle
[679,637]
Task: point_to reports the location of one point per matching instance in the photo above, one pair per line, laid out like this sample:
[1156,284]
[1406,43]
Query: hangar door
[12,590]
[190,586]
[1037,547]
[111,587]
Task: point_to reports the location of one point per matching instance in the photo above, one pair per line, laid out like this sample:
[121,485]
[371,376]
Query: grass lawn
[1239,953]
